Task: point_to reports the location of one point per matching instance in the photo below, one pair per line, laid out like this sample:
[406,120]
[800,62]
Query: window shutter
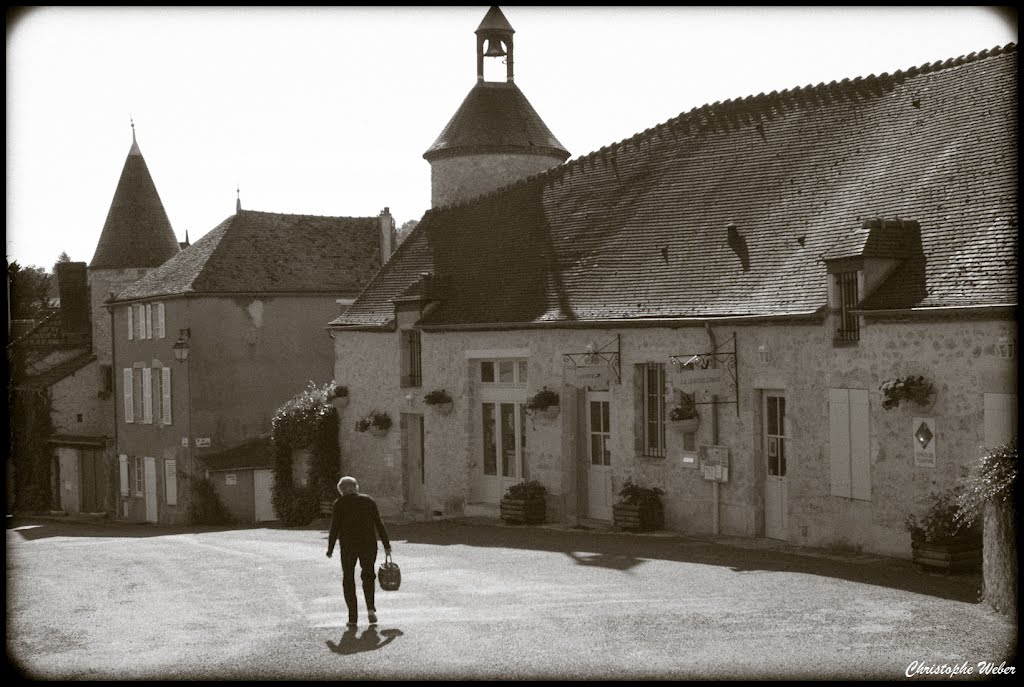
[161,330]
[171,481]
[131,323]
[638,408]
[839,441]
[147,395]
[129,399]
[166,389]
[149,320]
[125,488]
[142,322]
[860,445]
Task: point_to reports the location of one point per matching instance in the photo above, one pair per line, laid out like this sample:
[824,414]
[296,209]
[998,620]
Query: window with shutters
[161,321]
[412,374]
[165,398]
[846,291]
[140,476]
[147,395]
[850,443]
[128,384]
[137,394]
[649,387]
[158,395]
[149,320]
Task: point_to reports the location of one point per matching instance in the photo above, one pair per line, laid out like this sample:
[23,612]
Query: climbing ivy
[308,420]
[32,456]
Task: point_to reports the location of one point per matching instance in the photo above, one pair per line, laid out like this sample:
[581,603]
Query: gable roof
[638,229]
[137,232]
[269,252]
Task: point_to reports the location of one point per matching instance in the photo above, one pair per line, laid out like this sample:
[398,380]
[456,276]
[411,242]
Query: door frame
[601,396]
[491,488]
[775,489]
[410,438]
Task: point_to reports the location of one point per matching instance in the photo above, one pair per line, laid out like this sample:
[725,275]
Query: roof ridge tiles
[707,110]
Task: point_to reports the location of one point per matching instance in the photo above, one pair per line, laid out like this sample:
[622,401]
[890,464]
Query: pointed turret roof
[137,232]
[495,20]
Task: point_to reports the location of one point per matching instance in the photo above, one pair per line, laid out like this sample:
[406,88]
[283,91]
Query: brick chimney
[387,234]
[73,287]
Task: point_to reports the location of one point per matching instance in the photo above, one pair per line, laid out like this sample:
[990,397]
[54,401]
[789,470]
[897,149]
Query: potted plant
[639,508]
[524,503]
[377,423]
[684,414]
[544,402]
[915,389]
[440,400]
[938,539]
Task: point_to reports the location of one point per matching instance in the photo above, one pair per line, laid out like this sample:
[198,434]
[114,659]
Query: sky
[328,111]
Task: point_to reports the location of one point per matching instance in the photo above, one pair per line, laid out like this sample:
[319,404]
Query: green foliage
[939,523]
[634,495]
[685,410]
[542,400]
[915,389]
[307,420]
[32,426]
[205,506]
[376,419]
[526,491]
[29,291]
[989,480]
[437,397]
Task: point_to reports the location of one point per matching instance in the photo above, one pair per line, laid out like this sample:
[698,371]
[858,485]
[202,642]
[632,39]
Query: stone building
[776,258]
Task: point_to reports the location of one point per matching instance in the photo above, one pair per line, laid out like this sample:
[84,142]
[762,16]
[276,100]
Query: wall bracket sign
[593,365]
[715,372]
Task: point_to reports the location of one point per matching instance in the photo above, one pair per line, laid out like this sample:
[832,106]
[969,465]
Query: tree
[29,291]
[63,257]
[405,230]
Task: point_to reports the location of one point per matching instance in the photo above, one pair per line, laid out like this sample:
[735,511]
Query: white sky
[328,111]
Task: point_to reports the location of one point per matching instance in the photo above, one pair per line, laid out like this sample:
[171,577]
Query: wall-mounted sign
[202,442]
[922,431]
[597,377]
[231,479]
[712,381]
[594,367]
[184,442]
[714,463]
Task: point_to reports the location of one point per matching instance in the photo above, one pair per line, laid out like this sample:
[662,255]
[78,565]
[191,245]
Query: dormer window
[848,329]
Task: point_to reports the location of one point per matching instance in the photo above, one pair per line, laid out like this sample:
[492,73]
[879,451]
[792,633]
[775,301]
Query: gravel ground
[479,600]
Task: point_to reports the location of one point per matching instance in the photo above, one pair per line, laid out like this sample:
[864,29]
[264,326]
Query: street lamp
[180,346]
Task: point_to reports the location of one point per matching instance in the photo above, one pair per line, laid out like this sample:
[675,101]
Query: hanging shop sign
[593,368]
[709,374]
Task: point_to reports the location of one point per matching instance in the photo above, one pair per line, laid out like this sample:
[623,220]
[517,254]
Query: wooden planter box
[638,518]
[524,511]
[959,555]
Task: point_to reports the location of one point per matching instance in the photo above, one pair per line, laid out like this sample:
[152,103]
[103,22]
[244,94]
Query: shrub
[939,524]
[634,495]
[686,409]
[437,397]
[542,400]
[205,506]
[526,491]
[915,389]
[990,479]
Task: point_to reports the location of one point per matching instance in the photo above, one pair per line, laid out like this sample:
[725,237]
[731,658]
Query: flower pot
[443,408]
[523,510]
[549,413]
[340,402]
[378,431]
[639,518]
[687,426]
[959,554]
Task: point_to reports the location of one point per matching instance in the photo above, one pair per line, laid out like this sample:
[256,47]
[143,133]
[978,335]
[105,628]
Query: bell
[494,48]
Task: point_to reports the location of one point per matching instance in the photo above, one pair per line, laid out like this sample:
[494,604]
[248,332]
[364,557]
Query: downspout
[714,426]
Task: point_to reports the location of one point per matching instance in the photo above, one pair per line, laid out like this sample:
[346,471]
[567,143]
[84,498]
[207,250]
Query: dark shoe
[372,617]
[352,625]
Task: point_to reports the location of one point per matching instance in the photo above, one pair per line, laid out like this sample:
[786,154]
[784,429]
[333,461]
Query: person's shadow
[370,640]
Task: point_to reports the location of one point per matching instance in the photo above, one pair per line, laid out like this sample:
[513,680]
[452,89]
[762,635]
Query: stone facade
[958,355]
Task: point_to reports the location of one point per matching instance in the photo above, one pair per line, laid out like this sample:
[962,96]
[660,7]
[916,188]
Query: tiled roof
[638,228]
[268,252]
[49,334]
[137,232]
[495,117]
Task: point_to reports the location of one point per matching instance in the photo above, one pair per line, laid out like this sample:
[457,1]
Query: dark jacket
[355,524]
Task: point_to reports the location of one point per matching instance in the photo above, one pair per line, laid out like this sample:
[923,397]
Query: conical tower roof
[137,232]
[495,117]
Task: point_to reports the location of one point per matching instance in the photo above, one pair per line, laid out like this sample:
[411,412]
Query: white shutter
[149,320]
[860,445]
[161,330]
[171,482]
[142,322]
[129,399]
[125,487]
[131,323]
[166,389]
[839,441]
[147,395]
[1000,419]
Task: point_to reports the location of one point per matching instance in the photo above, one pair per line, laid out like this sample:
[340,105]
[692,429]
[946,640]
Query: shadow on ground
[351,642]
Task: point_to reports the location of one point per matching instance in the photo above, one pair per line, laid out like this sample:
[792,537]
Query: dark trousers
[367,559]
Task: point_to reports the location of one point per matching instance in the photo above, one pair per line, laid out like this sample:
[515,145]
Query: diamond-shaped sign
[924,435]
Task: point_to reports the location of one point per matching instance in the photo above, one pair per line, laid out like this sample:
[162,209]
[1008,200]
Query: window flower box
[440,400]
[376,423]
[544,403]
[341,398]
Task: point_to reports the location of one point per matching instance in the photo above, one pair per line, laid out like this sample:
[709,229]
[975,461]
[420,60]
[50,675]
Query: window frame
[520,372]
[847,294]
[411,363]
[139,480]
[652,446]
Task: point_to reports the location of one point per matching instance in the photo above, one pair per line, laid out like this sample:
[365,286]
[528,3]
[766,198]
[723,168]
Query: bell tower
[495,138]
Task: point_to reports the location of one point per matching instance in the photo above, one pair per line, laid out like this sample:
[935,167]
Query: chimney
[74,297]
[387,234]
